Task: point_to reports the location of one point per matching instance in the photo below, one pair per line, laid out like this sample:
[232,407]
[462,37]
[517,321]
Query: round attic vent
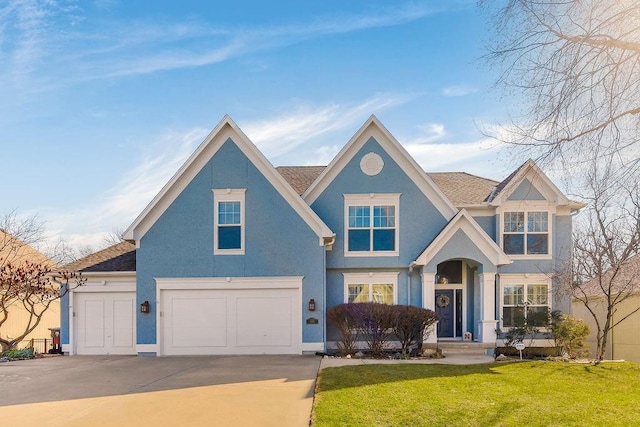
[371,164]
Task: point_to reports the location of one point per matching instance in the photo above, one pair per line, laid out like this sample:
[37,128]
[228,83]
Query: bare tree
[576,68]
[606,258]
[29,280]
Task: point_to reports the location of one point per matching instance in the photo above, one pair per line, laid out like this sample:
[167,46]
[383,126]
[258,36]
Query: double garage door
[230,321]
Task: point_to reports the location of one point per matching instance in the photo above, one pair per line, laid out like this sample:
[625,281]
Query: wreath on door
[443,301]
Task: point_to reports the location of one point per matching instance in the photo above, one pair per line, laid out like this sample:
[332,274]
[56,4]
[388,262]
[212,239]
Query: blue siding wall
[526,191]
[419,223]
[488,224]
[277,241]
[64,319]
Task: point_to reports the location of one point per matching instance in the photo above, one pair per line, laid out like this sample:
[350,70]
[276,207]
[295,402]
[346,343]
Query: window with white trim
[370,287]
[525,233]
[371,224]
[228,220]
[525,304]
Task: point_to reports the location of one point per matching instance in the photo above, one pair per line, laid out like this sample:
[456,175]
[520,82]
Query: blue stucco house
[234,256]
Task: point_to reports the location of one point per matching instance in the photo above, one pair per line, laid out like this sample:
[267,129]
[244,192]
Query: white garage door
[231,321]
[105,322]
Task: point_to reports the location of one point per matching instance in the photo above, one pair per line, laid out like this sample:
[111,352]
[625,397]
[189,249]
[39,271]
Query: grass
[513,394]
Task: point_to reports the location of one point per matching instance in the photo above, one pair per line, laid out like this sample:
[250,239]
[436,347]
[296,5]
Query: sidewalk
[453,359]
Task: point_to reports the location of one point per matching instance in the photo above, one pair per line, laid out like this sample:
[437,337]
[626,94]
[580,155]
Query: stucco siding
[277,241]
[526,191]
[419,221]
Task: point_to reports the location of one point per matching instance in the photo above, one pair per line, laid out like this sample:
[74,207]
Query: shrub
[410,324]
[377,321]
[25,353]
[346,318]
[571,333]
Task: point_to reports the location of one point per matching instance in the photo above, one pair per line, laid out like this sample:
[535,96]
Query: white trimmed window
[371,287]
[371,224]
[228,220]
[525,301]
[526,233]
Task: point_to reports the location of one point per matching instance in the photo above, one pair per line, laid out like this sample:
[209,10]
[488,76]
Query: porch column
[429,301]
[486,326]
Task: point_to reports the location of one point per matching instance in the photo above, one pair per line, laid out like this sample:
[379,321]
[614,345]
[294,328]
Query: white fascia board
[538,179]
[206,150]
[465,222]
[374,128]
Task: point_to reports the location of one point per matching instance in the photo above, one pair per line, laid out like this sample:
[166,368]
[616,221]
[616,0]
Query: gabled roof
[373,128]
[300,177]
[119,257]
[460,187]
[208,148]
[465,222]
[529,170]
[463,188]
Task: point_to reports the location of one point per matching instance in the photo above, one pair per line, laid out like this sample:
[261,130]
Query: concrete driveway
[163,391]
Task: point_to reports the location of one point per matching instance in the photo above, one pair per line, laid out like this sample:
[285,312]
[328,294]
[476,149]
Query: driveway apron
[163,391]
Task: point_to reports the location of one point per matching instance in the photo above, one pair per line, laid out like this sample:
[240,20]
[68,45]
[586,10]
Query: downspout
[328,245]
[411,266]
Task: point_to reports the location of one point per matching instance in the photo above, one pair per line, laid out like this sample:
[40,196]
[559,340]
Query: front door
[449,308]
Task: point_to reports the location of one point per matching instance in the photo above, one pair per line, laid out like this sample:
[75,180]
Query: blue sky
[103,100]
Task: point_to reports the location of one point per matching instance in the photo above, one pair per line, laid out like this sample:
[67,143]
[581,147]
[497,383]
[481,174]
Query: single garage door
[105,322]
[231,321]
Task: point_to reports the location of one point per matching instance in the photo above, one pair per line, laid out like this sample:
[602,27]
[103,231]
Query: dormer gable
[225,131]
[373,128]
[528,182]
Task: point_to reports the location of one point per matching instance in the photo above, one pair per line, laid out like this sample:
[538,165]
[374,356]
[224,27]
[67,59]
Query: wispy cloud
[119,206]
[279,135]
[458,90]
[429,133]
[86,52]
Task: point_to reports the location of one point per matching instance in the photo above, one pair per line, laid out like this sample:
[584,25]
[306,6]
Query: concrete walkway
[453,359]
[165,391]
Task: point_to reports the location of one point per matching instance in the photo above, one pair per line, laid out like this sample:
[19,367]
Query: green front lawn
[512,394]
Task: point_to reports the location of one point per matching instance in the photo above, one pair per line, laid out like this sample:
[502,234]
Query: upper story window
[526,233]
[371,224]
[525,303]
[228,235]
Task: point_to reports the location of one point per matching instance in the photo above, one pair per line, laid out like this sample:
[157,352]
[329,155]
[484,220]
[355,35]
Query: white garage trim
[96,282]
[269,282]
[224,302]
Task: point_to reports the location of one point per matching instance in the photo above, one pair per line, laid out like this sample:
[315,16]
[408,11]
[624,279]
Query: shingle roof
[300,177]
[460,187]
[503,184]
[463,188]
[119,257]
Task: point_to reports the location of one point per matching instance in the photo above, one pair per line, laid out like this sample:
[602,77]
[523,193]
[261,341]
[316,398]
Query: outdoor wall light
[144,307]
[312,305]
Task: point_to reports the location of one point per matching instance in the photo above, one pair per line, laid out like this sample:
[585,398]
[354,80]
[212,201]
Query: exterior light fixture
[312,305]
[144,307]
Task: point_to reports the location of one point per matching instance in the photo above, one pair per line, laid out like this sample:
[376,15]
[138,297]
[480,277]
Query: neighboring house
[624,340]
[234,256]
[17,252]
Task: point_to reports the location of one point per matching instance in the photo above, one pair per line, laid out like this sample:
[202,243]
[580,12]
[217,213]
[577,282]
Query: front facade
[235,256]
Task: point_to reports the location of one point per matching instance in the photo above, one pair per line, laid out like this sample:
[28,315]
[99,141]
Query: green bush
[570,333]
[25,353]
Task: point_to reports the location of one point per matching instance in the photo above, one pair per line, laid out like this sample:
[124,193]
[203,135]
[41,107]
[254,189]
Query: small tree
[605,270]
[28,279]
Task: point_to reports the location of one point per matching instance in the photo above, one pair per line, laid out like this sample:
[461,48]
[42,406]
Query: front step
[462,347]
